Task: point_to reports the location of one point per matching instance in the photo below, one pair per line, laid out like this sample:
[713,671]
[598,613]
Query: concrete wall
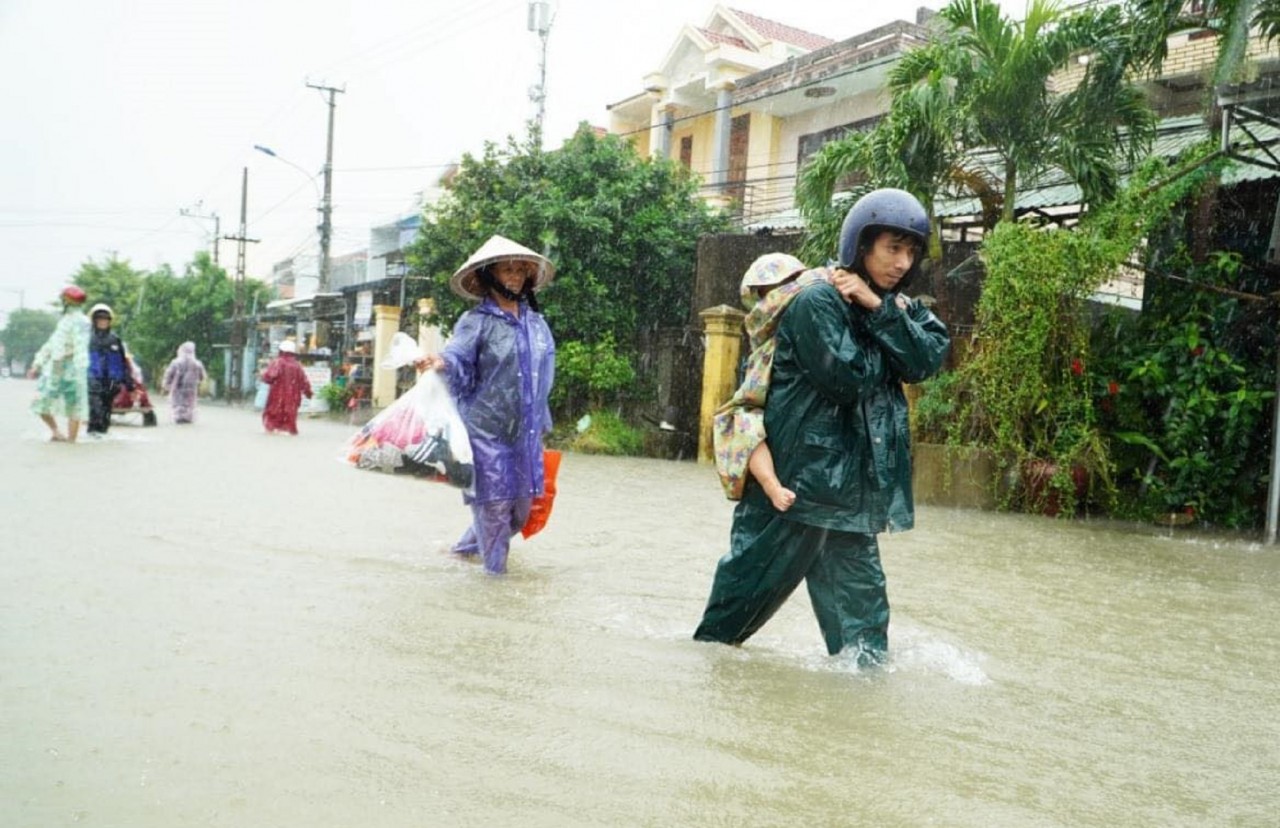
[958,477]
[722,259]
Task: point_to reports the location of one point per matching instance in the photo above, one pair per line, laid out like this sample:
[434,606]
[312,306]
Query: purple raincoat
[182,383]
[500,370]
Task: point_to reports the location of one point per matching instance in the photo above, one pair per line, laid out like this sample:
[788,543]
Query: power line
[408,36]
[419,46]
[294,99]
[87,225]
[280,203]
[444,166]
[22,211]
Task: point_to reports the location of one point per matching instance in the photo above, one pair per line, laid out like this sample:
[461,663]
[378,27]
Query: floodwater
[208,626]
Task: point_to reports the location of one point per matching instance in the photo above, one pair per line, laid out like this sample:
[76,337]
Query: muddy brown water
[207,626]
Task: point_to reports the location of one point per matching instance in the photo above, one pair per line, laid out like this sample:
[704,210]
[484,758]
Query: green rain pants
[768,557]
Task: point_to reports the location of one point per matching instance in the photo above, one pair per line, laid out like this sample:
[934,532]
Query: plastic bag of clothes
[420,434]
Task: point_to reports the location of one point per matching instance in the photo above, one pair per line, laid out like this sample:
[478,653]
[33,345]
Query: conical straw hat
[466,281]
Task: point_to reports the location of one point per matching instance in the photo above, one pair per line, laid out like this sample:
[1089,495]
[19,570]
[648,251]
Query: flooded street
[208,626]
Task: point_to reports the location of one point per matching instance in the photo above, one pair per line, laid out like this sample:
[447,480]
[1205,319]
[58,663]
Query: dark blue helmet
[886,209]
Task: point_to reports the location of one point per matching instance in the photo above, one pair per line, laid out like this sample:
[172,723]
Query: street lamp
[324,227]
[281,158]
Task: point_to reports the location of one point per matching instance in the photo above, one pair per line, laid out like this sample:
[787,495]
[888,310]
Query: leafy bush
[1027,391]
[1187,396]
[933,413]
[335,395]
[589,376]
[608,434]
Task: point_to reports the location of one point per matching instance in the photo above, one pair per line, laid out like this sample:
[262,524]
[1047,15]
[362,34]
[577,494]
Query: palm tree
[1002,70]
[916,147]
[984,84]
[1232,20]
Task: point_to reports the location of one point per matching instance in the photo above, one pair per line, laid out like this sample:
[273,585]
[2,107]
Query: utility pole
[540,23]
[326,204]
[237,313]
[217,224]
[22,296]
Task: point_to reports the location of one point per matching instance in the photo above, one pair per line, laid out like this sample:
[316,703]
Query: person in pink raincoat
[289,384]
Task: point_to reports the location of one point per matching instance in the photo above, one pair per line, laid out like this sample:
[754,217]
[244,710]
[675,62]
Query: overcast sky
[119,113]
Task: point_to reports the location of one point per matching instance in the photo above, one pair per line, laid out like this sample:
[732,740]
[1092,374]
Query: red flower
[1197,351]
[1113,388]
[1189,510]
[1077,367]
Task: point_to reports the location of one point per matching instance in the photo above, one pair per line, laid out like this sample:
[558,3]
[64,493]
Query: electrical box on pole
[540,24]
[539,16]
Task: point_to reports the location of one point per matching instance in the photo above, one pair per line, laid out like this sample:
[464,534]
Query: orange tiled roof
[774,30]
[717,37]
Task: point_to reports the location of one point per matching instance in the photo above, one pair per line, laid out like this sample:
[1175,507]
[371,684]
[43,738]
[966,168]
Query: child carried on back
[738,436]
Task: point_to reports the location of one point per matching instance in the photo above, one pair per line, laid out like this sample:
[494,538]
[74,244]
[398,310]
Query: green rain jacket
[836,417]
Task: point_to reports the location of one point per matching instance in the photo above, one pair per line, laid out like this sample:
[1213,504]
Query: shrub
[588,376]
[608,434]
[335,395]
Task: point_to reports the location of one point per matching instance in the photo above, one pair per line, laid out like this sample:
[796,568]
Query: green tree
[158,311]
[918,146]
[1027,390]
[1002,68]
[195,306]
[114,282]
[982,84]
[621,229]
[26,330]
[1232,20]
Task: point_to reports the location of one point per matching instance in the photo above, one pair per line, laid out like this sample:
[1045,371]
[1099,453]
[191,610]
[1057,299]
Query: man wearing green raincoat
[836,423]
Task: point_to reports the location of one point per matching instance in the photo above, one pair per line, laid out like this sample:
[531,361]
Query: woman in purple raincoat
[182,383]
[500,364]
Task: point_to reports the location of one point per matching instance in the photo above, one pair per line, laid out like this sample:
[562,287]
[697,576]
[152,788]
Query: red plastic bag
[541,508]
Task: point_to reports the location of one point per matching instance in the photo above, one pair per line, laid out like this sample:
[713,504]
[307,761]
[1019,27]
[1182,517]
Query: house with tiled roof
[743,101]
[684,110]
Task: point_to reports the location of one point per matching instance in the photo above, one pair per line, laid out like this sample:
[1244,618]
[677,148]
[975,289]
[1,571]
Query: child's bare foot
[780,496]
[58,438]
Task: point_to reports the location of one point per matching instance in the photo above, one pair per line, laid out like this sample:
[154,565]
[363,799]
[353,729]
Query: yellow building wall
[764,140]
[703,131]
[640,140]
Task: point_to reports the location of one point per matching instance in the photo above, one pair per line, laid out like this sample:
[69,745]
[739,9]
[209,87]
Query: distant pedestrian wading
[182,383]
[289,384]
[109,369]
[62,366]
